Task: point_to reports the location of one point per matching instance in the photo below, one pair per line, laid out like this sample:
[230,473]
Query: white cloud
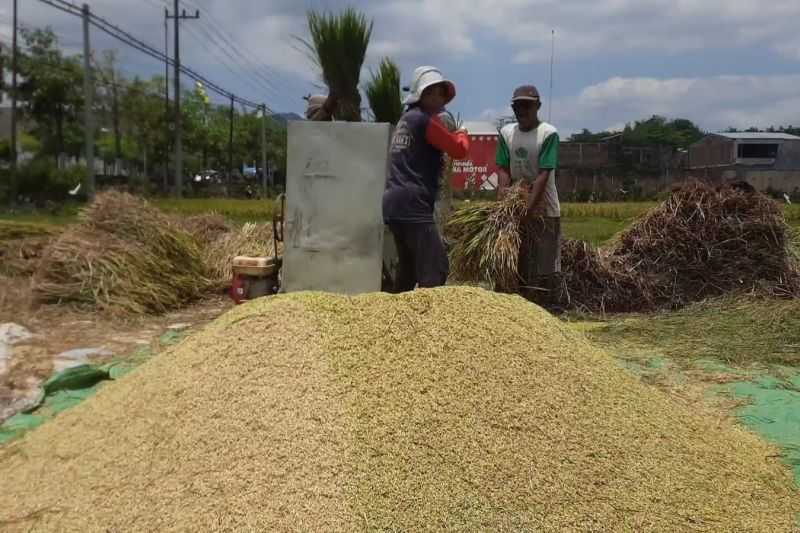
[714,103]
[590,28]
[444,31]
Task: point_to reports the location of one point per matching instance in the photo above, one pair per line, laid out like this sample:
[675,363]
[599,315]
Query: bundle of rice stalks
[485,240]
[206,228]
[600,283]
[390,413]
[123,257]
[706,242]
[254,240]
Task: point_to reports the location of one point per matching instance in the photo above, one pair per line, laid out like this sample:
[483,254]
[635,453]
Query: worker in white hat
[418,146]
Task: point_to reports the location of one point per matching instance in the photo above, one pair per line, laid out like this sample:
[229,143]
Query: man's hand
[535,205]
[503,182]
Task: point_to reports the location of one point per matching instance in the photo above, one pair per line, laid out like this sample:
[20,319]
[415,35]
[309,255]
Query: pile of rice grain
[449,409]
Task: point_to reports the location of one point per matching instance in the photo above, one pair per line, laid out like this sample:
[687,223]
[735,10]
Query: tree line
[132,120]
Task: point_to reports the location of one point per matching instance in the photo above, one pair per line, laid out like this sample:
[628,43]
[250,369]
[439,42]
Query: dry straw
[124,256]
[251,239]
[313,412]
[205,228]
[701,242]
[485,240]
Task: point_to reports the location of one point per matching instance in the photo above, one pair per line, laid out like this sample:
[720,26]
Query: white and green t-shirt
[525,153]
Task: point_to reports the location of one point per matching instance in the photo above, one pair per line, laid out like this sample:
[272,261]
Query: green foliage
[657,130]
[143,123]
[383,93]
[29,143]
[677,133]
[51,92]
[338,46]
[586,136]
[791,130]
[41,180]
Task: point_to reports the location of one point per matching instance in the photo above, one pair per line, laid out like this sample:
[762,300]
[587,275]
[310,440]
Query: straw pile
[706,242]
[123,257]
[312,412]
[485,240]
[596,282]
[21,246]
[701,242]
[205,228]
[20,257]
[251,239]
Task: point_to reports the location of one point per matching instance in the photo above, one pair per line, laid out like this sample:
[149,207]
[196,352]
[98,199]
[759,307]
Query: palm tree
[338,47]
[383,92]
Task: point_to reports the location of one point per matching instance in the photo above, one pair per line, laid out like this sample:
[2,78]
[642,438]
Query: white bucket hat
[424,77]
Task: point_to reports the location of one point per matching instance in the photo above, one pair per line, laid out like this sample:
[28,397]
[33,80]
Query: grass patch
[12,229]
[234,209]
[595,230]
[620,211]
[738,331]
[595,223]
[792,214]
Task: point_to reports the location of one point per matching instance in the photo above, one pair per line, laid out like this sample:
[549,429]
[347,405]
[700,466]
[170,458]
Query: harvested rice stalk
[597,282]
[485,240]
[206,228]
[123,257]
[704,242]
[251,239]
[314,412]
[20,257]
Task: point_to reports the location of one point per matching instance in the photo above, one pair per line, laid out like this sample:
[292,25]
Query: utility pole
[13,188]
[166,99]
[178,146]
[230,148]
[264,148]
[88,90]
[550,97]
[111,58]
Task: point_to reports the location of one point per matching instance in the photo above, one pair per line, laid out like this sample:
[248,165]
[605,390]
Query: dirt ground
[58,329]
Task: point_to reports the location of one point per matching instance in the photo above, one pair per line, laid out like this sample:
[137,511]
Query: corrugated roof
[481,128]
[745,135]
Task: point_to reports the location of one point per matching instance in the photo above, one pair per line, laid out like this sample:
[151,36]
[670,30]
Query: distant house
[765,160]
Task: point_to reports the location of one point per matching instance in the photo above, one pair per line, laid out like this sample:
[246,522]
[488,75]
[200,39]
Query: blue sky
[719,63]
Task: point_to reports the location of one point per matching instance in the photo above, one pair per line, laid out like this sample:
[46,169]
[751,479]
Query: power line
[247,57]
[224,45]
[222,61]
[128,39]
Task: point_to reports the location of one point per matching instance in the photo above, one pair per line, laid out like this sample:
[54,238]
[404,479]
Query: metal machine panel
[336,173]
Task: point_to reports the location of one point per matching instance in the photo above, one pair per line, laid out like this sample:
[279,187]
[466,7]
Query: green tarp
[68,388]
[772,411]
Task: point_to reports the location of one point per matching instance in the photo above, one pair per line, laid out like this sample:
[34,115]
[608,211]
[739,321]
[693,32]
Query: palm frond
[383,92]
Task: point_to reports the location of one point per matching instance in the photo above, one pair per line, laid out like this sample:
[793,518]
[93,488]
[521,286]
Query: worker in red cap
[418,146]
[527,154]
